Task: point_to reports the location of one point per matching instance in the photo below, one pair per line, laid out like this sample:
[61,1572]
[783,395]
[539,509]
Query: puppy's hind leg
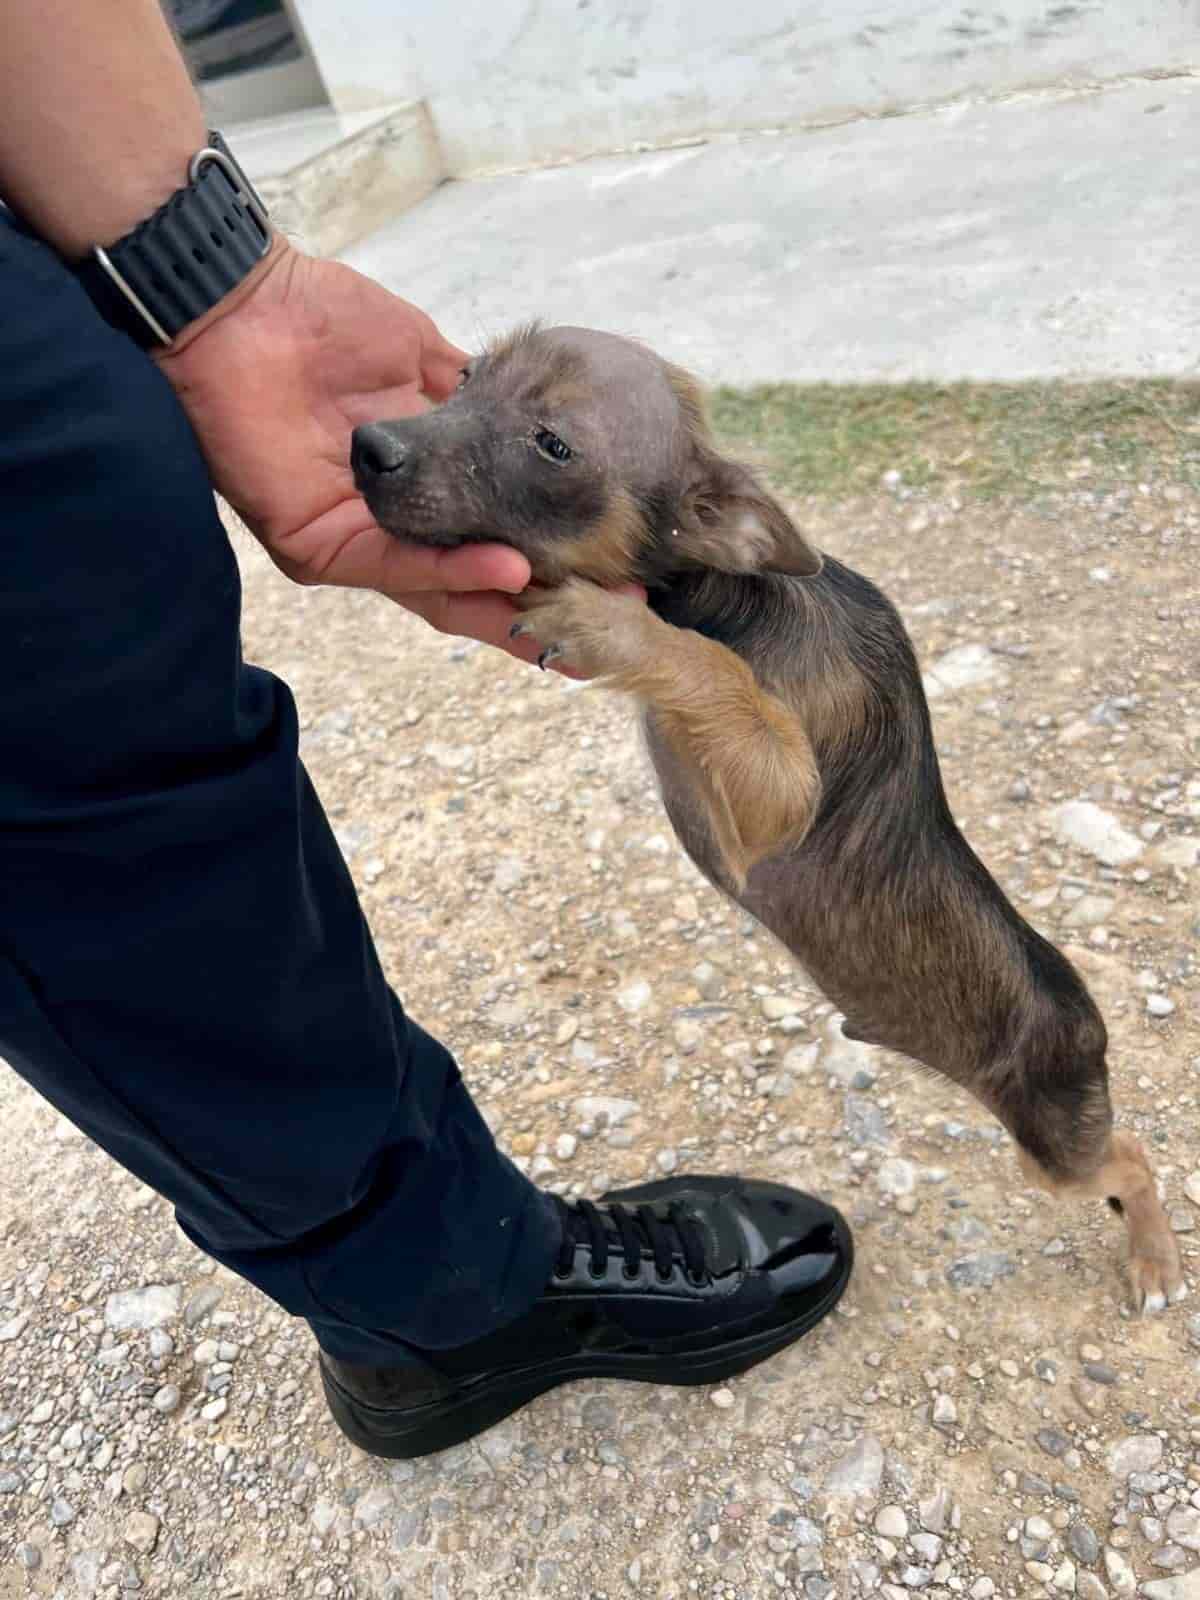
[1080,1156]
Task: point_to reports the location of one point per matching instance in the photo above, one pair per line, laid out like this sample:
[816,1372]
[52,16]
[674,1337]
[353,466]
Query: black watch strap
[187,257]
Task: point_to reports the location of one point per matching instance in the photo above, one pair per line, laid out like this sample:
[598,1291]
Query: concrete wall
[517,82]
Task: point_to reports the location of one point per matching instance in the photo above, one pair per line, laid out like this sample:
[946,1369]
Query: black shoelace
[676,1234]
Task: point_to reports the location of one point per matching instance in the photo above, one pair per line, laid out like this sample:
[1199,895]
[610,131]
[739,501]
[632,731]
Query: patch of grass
[985,440]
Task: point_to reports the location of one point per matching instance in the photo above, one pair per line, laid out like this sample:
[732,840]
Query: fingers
[467,569]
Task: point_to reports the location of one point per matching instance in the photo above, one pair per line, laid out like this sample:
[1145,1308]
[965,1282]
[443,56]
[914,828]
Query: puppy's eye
[551,445]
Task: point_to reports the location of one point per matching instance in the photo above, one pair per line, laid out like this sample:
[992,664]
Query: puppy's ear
[727,520]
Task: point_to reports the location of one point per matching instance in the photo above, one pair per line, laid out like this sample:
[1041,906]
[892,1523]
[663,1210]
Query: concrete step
[332,178]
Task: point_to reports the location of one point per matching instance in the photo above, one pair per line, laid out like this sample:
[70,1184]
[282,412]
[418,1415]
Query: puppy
[786,720]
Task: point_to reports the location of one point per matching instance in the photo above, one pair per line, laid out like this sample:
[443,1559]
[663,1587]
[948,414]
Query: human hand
[274,380]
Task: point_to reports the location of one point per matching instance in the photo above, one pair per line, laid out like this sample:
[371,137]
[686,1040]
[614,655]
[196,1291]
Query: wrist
[262,280]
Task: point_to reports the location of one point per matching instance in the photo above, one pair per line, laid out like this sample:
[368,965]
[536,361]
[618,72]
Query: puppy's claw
[1155,1301]
[550,653]
[518,628]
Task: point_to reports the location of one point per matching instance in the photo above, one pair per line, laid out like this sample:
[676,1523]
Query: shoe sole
[420,1431]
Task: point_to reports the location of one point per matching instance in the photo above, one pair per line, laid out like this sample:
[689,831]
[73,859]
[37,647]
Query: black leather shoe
[682,1281]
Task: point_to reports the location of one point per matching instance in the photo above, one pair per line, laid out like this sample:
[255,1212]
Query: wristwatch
[183,260]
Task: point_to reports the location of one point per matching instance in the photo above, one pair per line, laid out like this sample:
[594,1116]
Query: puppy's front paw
[594,631]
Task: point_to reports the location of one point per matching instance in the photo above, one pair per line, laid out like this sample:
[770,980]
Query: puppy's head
[586,452]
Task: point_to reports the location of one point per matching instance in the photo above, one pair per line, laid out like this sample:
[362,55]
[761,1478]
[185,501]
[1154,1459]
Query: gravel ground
[982,1416]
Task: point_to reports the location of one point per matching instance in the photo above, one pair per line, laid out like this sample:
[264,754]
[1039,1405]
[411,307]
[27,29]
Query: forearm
[98,117]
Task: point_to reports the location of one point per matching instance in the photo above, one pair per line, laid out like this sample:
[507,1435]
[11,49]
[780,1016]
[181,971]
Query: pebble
[982,1589]
[143,1308]
[167,1399]
[373,1506]
[1183,1527]
[634,997]
[1159,1005]
[1064,1577]
[161,1344]
[934,1512]
[614,1110]
[865,1122]
[1119,1572]
[1184,1587]
[667,1160]
[28,1556]
[1053,1442]
[61,1512]
[981,1271]
[14,1328]
[892,1523]
[565,1146]
[1083,1543]
[1138,1452]
[1100,1372]
[964,667]
[10,1482]
[134,1478]
[896,1176]
[215,1410]
[723,1399]
[859,1472]
[945,1412]
[200,1304]
[847,1060]
[206,1352]
[141,1531]
[1087,827]
[1089,1587]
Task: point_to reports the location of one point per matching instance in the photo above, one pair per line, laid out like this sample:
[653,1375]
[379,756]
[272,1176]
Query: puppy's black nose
[377,448]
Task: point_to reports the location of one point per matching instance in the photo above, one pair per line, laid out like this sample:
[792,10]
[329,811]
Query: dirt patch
[982,1416]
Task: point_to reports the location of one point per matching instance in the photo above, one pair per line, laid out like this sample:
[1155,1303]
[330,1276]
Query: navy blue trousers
[185,971]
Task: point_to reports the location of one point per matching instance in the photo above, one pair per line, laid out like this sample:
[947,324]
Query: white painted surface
[1046,237]
[517,82]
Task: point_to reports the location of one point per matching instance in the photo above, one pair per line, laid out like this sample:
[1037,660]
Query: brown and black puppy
[786,719]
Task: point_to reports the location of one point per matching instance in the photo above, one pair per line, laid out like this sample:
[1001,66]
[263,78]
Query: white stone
[1137,1452]
[1087,827]
[858,1474]
[565,1146]
[144,1308]
[892,1523]
[373,1506]
[1119,1572]
[1159,1005]
[141,1531]
[722,1399]
[1184,853]
[843,1058]
[1183,1526]
[964,667]
[611,1108]
[896,1176]
[1183,1586]
[634,997]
